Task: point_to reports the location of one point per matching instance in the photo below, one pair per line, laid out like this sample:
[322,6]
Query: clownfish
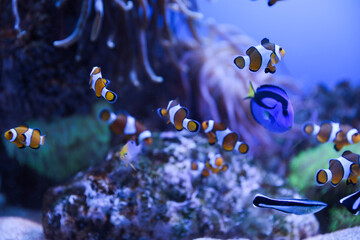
[294,206]
[341,134]
[124,124]
[24,136]
[227,139]
[265,55]
[344,167]
[213,163]
[98,84]
[177,115]
[352,202]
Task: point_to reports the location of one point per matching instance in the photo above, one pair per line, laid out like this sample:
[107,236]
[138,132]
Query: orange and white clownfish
[213,163]
[265,55]
[227,139]
[124,124]
[344,167]
[177,115]
[341,134]
[99,84]
[23,136]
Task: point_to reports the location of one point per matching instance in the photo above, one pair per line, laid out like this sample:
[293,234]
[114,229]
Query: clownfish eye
[280,49]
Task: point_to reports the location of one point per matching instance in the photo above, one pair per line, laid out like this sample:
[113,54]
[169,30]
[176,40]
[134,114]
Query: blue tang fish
[294,206]
[352,202]
[271,107]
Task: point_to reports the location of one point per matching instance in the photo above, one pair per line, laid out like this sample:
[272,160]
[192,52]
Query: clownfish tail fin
[110,96]
[242,61]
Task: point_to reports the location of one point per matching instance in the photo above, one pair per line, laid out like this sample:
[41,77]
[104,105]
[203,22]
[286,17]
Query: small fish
[99,84]
[265,55]
[344,167]
[177,115]
[23,136]
[227,139]
[271,107]
[129,152]
[213,163]
[352,202]
[340,134]
[124,124]
[294,206]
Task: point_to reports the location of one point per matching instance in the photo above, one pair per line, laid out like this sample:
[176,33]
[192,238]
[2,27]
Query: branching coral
[137,16]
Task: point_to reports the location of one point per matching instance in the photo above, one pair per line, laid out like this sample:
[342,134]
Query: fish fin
[105,81]
[110,97]
[239,62]
[250,50]
[251,92]
[132,166]
[265,41]
[104,114]
[20,145]
[270,68]
[338,147]
[193,126]
[186,110]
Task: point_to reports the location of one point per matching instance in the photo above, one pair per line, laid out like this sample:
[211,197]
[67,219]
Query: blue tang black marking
[271,107]
[352,202]
[294,206]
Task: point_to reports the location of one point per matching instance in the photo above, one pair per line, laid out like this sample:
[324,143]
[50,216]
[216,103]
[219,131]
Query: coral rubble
[165,199]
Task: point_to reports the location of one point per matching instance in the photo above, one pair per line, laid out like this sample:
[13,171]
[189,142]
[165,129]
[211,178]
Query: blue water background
[321,37]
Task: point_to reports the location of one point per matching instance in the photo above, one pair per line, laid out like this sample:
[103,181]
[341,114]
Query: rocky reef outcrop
[165,199]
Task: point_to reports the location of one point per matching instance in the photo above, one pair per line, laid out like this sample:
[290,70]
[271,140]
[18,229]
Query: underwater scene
[179,119]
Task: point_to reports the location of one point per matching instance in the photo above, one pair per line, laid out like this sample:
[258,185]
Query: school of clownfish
[270,107]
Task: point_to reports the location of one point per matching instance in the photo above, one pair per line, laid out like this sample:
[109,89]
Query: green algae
[304,166]
[71,144]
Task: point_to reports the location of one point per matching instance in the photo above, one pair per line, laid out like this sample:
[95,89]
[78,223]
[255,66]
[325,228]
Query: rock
[348,234]
[165,199]
[17,228]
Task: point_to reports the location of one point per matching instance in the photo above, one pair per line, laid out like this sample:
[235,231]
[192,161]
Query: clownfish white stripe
[93,83]
[349,135]
[238,144]
[42,140]
[112,118]
[172,112]
[104,91]
[28,135]
[316,129]
[185,123]
[335,129]
[97,75]
[265,54]
[145,134]
[277,51]
[130,125]
[169,104]
[220,135]
[14,134]
[346,164]
[210,126]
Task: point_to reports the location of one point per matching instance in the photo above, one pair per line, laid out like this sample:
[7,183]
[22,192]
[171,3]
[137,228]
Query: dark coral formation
[165,199]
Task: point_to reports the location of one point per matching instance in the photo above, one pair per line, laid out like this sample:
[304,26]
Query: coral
[218,88]
[165,199]
[341,218]
[304,166]
[71,144]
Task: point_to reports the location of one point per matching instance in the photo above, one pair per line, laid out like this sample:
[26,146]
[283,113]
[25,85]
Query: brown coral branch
[85,12]
[96,27]
[124,6]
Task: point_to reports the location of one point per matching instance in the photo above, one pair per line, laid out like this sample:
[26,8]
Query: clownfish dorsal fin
[251,93]
[264,41]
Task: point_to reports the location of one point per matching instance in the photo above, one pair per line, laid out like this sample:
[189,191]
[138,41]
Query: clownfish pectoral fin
[338,147]
[105,81]
[251,92]
[270,68]
[265,41]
